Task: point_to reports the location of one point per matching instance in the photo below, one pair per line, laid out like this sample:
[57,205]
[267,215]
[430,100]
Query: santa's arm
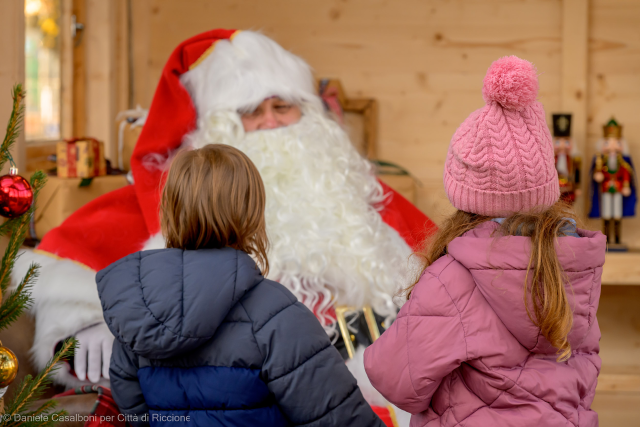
[65,302]
[399,213]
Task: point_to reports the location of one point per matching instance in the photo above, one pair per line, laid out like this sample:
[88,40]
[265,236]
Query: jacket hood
[165,302]
[499,265]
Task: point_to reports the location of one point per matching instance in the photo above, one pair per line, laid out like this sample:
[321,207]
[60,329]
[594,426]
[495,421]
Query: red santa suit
[219,70]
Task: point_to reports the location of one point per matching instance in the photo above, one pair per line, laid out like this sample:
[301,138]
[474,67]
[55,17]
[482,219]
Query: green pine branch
[46,414]
[32,388]
[19,300]
[5,228]
[13,127]
[46,407]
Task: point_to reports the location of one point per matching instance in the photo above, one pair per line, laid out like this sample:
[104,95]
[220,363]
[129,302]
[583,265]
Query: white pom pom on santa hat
[241,72]
[511,82]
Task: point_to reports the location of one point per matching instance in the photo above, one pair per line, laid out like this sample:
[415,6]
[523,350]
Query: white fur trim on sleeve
[242,72]
[156,241]
[65,301]
[356,367]
[371,395]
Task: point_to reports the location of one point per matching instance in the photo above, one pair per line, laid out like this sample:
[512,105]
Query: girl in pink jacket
[500,329]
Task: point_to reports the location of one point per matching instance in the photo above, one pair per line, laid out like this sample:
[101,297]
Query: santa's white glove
[93,354]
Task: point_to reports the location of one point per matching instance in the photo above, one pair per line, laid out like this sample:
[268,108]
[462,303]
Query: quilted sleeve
[305,373]
[425,343]
[125,386]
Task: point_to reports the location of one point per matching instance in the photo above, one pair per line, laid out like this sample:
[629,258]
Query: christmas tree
[17,203]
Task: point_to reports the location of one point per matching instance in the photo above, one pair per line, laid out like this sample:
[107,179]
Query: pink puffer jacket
[463,351]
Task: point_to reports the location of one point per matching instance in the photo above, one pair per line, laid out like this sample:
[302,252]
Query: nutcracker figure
[613,183]
[568,161]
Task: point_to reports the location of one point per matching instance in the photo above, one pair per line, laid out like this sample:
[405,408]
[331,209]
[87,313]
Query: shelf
[627,383]
[621,268]
[617,399]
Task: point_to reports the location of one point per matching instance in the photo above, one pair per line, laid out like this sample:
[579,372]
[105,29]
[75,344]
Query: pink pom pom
[512,82]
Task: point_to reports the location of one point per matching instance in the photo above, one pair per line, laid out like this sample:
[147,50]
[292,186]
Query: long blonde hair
[214,197]
[546,292]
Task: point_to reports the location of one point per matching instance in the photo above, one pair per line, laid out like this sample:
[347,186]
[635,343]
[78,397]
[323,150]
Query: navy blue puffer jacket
[203,339]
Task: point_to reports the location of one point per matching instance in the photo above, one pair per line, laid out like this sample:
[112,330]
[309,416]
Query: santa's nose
[269,120]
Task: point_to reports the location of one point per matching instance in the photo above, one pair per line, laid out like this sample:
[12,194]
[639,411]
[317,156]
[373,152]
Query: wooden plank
[575,38]
[143,85]
[422,60]
[12,34]
[79,72]
[123,91]
[617,409]
[621,268]
[620,328]
[99,41]
[124,99]
[66,71]
[617,400]
[628,383]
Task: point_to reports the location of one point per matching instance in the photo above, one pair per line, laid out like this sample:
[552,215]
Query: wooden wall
[617,400]
[423,60]
[12,33]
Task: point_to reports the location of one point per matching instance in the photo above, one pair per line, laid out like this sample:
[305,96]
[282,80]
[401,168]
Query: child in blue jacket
[202,338]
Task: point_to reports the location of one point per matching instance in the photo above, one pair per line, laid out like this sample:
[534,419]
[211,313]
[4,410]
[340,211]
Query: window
[43,70]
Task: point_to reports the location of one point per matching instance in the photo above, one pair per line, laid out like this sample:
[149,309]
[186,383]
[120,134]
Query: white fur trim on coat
[156,241]
[243,71]
[65,301]
[371,395]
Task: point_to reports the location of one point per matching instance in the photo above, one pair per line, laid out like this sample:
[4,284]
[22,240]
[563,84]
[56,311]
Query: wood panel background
[424,61]
[12,34]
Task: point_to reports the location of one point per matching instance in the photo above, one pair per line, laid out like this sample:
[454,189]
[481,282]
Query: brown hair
[214,197]
[547,294]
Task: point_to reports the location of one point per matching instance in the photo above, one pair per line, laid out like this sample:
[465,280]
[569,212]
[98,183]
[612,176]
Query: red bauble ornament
[16,195]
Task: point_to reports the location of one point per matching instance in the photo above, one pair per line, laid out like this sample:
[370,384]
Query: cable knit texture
[500,159]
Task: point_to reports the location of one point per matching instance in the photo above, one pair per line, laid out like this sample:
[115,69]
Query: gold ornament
[8,366]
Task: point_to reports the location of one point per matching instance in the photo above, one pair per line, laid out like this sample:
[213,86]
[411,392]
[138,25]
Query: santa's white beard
[328,243]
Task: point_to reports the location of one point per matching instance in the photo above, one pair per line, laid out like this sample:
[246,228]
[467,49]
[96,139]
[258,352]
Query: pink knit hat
[501,159]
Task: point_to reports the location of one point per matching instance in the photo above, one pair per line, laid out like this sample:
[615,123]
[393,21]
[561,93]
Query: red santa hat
[213,71]
[241,72]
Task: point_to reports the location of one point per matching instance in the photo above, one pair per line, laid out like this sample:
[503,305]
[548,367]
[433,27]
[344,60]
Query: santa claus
[338,236]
